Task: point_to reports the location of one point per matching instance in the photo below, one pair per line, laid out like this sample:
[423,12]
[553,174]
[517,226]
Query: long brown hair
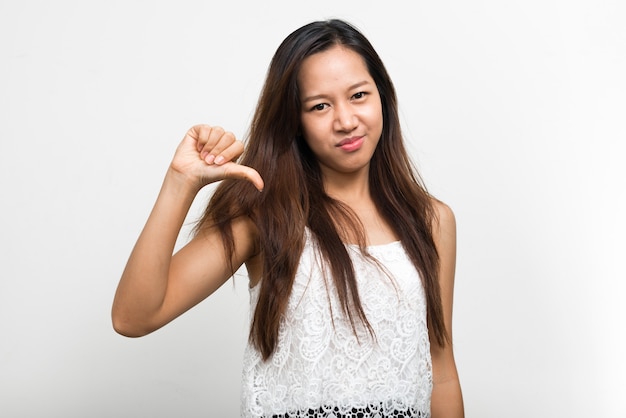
[294,196]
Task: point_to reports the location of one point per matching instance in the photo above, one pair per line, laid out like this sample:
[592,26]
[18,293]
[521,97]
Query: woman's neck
[351,189]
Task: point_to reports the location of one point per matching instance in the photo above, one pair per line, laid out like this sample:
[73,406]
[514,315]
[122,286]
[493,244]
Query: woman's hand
[208,153]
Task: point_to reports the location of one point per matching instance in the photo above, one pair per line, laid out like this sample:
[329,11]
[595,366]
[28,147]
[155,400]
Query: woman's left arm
[447,400]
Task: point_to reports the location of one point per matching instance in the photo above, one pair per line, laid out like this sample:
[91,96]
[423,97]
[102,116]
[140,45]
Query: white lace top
[320,368]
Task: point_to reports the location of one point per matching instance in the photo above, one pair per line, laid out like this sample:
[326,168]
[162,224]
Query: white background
[513,110]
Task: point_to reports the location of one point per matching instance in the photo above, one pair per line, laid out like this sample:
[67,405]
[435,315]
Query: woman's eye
[320,106]
[359,95]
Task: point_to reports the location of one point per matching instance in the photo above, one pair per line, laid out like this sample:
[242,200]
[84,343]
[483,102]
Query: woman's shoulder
[444,215]
[443,225]
[244,229]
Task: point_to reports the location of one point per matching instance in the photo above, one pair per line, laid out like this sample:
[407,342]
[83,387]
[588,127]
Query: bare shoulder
[244,235]
[444,224]
[245,229]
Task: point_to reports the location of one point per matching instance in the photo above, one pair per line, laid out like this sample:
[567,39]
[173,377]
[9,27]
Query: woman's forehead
[333,68]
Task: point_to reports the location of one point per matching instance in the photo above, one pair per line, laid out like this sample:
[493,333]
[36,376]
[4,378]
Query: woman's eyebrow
[323,96]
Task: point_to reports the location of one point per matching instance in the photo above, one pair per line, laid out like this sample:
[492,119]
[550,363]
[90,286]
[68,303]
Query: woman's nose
[345,118]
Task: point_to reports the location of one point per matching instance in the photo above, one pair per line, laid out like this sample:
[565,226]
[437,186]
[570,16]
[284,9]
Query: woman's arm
[155,286]
[447,400]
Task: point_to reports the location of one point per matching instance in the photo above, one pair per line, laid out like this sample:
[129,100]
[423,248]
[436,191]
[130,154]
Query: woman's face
[341,113]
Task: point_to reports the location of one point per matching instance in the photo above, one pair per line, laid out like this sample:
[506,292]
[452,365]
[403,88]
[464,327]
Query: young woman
[351,262]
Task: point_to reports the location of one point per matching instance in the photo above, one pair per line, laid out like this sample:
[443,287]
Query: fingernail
[209,159]
[203,154]
[219,160]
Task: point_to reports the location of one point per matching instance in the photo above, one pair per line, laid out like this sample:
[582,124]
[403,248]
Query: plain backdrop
[513,110]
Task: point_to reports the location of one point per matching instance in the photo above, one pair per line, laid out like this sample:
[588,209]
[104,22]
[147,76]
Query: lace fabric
[323,368]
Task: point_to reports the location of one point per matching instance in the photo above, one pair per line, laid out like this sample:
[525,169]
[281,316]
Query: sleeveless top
[322,367]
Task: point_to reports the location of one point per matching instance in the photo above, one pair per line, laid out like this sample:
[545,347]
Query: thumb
[242,172]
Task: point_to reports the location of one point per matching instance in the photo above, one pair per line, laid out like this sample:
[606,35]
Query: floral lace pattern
[322,368]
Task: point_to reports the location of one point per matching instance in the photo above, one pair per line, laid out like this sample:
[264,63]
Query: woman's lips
[351,144]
